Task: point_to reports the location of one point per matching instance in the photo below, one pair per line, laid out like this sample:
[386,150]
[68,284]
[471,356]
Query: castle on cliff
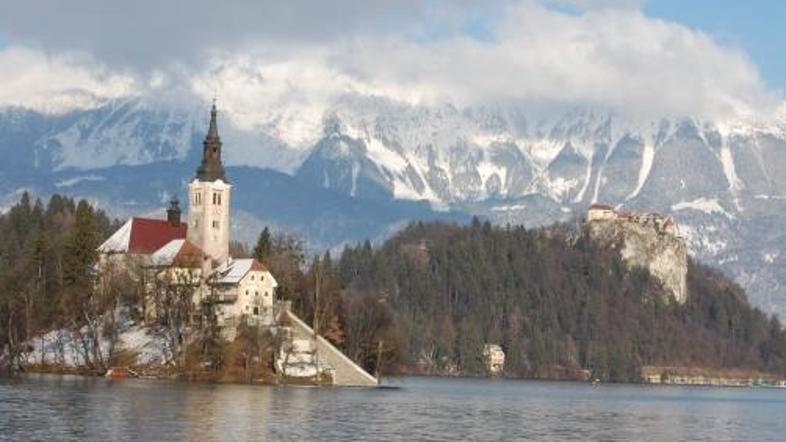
[661,223]
[647,240]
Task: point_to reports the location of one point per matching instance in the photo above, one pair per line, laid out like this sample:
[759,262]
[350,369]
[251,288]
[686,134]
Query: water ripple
[44,407]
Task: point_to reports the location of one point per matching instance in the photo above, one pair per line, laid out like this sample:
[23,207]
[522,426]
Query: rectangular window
[256,310]
[215,224]
[217,198]
[197,198]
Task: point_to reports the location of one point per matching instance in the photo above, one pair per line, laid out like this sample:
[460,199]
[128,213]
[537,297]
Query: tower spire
[211,168]
[212,131]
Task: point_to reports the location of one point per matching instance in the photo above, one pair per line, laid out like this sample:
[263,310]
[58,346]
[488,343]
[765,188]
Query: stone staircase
[305,355]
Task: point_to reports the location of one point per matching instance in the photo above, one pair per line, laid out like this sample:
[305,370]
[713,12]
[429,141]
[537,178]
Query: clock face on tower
[217,211]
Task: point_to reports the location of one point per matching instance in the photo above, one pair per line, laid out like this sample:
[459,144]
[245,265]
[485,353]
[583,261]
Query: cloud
[588,5]
[300,58]
[53,84]
[152,33]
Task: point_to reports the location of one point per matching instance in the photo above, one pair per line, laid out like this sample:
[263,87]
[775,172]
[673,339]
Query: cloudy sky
[707,58]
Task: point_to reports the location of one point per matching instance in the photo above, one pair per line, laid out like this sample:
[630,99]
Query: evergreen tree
[81,248]
[264,246]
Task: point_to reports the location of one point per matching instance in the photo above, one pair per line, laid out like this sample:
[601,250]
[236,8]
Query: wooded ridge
[427,300]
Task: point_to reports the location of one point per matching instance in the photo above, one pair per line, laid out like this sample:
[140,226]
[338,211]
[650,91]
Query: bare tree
[174,291]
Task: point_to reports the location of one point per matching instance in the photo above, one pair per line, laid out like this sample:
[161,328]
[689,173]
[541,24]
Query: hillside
[555,301]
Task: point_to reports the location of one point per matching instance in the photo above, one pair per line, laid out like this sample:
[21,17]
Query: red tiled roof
[149,235]
[256,265]
[190,255]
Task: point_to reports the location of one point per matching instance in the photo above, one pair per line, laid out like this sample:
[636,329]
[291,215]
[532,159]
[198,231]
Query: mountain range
[370,165]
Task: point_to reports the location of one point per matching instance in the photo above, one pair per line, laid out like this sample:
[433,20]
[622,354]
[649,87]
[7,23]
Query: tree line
[434,294]
[47,257]
[427,300]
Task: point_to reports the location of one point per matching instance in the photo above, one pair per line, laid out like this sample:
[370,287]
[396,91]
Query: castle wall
[601,215]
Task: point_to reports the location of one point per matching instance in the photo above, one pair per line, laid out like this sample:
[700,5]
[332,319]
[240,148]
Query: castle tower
[209,199]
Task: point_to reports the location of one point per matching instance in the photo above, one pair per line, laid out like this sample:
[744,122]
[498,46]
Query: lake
[51,407]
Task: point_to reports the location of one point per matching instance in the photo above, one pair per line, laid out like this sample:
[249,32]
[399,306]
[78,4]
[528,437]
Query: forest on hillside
[553,299]
[425,301]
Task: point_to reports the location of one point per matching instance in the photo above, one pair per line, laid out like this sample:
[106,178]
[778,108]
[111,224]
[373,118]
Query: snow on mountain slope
[724,182]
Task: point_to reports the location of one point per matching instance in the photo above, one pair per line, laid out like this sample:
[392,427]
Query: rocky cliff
[648,243]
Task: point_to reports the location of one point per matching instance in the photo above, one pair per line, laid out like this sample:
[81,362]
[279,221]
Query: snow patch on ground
[508,208]
[560,187]
[729,169]
[384,157]
[150,349]
[587,176]
[769,256]
[769,197]
[76,180]
[702,240]
[706,205]
[647,159]
[63,347]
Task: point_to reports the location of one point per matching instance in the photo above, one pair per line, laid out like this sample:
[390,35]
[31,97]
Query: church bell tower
[209,199]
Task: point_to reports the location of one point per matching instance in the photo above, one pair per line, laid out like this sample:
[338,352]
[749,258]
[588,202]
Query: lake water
[48,407]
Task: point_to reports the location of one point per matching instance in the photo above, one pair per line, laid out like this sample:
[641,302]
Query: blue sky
[757,26]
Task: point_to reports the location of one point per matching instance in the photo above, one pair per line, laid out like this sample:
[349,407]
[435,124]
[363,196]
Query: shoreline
[183,378]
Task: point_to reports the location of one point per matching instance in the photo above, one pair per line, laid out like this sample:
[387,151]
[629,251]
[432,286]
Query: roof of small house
[178,253]
[234,270]
[143,236]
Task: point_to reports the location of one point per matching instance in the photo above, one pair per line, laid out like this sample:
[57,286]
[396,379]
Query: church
[196,252]
[193,256]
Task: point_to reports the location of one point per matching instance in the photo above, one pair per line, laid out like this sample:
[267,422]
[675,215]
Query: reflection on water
[45,407]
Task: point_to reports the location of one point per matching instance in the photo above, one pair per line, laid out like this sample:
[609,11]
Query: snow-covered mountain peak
[725,181]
